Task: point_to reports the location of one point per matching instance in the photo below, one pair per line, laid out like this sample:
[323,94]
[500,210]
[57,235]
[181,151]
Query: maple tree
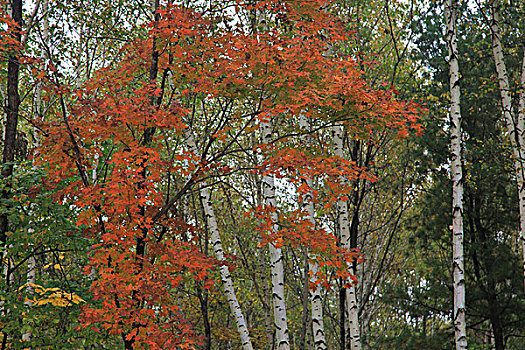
[119,120]
[240,76]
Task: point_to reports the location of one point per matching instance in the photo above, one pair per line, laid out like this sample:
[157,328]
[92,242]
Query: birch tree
[460,330]
[515,121]
[343,219]
[276,256]
[216,243]
[315,297]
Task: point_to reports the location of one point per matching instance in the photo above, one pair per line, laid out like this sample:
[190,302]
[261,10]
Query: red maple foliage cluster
[117,153]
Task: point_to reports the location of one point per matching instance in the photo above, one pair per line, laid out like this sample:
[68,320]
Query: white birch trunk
[227,283]
[457,180]
[270,336]
[317,312]
[521,185]
[343,218]
[267,300]
[515,122]
[268,321]
[315,295]
[276,262]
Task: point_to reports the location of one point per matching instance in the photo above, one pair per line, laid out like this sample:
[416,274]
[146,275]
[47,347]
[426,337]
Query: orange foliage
[115,128]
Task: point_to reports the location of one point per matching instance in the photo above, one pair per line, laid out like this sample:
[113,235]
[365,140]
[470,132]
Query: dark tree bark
[13,104]
[10,126]
[497,327]
[203,300]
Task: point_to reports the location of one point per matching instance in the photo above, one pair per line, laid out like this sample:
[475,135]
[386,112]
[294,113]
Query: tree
[219,255]
[116,164]
[457,178]
[351,308]
[422,296]
[14,22]
[318,330]
[515,122]
[381,45]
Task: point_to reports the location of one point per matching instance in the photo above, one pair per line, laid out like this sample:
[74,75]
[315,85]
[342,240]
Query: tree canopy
[259,174]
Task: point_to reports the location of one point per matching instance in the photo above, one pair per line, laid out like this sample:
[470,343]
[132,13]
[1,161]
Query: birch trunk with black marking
[276,257]
[276,263]
[227,283]
[460,329]
[315,297]
[258,18]
[515,122]
[315,294]
[521,183]
[343,220]
[266,299]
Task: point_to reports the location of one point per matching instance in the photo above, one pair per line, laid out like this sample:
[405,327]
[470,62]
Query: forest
[262,174]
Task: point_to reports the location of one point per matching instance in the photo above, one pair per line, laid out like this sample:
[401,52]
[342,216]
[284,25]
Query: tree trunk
[317,312]
[266,303]
[499,341]
[10,126]
[304,300]
[31,279]
[227,283]
[203,300]
[495,321]
[315,295]
[266,299]
[141,239]
[515,122]
[351,308]
[342,315]
[457,180]
[11,120]
[276,258]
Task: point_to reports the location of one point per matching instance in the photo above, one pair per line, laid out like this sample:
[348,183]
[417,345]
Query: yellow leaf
[39,289]
[58,298]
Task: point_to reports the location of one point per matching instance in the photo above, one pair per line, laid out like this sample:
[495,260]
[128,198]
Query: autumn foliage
[116,150]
